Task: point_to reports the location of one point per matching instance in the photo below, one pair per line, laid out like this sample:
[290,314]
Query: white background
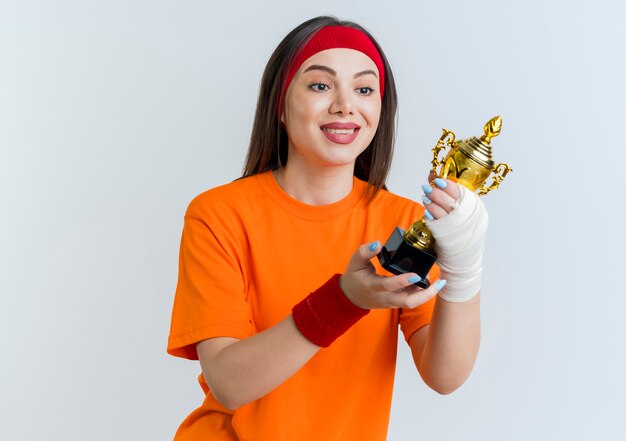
[113,115]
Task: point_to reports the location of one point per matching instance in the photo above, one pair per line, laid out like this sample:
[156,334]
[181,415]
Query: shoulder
[390,202]
[239,196]
[388,208]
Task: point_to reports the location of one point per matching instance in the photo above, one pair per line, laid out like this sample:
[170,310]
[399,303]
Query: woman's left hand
[441,198]
[458,221]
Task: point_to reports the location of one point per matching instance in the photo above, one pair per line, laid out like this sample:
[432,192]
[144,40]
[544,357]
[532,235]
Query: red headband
[333,37]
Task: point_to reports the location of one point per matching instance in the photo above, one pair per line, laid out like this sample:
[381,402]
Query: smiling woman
[269,140]
[331,113]
[294,326]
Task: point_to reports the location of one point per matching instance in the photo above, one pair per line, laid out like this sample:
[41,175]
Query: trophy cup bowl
[468,162]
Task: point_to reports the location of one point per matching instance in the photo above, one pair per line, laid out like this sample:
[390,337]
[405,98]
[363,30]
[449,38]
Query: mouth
[341,132]
[340,136]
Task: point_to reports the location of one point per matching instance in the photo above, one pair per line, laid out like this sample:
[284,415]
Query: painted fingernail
[440,183]
[440,284]
[374,245]
[428,215]
[426,200]
[427,189]
[415,279]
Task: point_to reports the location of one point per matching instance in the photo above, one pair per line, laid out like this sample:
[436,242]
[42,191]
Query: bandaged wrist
[459,244]
[326,314]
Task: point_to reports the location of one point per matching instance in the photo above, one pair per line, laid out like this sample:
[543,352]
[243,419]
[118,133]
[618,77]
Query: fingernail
[428,215]
[425,199]
[374,245]
[440,183]
[415,279]
[440,284]
[427,189]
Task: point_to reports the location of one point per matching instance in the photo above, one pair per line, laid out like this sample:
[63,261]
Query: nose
[342,102]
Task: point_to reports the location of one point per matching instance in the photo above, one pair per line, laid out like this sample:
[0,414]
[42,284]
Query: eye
[365,91]
[319,87]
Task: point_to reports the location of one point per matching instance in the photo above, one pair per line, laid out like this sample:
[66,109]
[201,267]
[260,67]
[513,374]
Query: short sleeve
[210,299]
[411,320]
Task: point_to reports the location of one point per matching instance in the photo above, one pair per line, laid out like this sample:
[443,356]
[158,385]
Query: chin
[340,162]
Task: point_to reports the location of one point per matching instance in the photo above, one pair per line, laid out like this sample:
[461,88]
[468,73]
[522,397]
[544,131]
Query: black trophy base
[400,257]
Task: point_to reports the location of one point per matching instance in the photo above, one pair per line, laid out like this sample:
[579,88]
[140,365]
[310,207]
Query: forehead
[341,59]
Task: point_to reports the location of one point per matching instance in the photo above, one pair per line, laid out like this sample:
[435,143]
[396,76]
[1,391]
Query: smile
[339,131]
[340,136]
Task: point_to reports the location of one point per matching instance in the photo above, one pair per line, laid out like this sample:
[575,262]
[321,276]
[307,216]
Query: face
[332,108]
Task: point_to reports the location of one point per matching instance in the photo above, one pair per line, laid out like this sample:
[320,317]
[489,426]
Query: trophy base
[400,257]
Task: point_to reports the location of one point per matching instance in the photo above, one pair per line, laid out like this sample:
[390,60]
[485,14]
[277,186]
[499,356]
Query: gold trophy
[469,162]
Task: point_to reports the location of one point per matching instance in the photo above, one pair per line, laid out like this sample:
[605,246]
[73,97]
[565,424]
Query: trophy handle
[500,171]
[448,139]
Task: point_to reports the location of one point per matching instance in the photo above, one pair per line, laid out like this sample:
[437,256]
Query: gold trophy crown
[470,163]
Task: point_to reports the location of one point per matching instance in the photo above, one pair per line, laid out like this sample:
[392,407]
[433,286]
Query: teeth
[339,131]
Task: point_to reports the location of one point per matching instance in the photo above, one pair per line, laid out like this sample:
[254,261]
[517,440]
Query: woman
[294,325]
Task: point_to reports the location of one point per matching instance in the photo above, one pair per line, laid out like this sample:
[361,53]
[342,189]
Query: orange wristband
[326,314]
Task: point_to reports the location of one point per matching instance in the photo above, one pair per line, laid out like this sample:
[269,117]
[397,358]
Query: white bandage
[460,240]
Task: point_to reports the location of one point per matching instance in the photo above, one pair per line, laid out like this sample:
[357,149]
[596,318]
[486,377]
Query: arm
[241,371]
[445,351]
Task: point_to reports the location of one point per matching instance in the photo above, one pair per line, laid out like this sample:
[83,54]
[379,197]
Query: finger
[433,210]
[420,297]
[393,284]
[439,195]
[437,202]
[361,258]
[412,289]
[449,187]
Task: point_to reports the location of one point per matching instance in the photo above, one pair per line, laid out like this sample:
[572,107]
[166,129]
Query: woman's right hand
[368,290]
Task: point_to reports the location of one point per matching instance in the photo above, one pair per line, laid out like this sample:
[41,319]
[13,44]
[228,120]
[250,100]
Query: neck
[316,186]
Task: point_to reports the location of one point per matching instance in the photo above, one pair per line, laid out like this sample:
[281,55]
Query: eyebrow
[334,73]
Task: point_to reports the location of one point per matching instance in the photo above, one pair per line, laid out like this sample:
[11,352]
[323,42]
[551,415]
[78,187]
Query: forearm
[245,370]
[445,352]
[450,345]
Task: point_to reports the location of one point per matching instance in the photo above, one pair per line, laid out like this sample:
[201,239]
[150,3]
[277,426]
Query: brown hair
[268,141]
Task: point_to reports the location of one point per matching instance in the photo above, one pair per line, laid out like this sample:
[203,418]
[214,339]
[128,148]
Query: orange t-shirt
[249,252]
